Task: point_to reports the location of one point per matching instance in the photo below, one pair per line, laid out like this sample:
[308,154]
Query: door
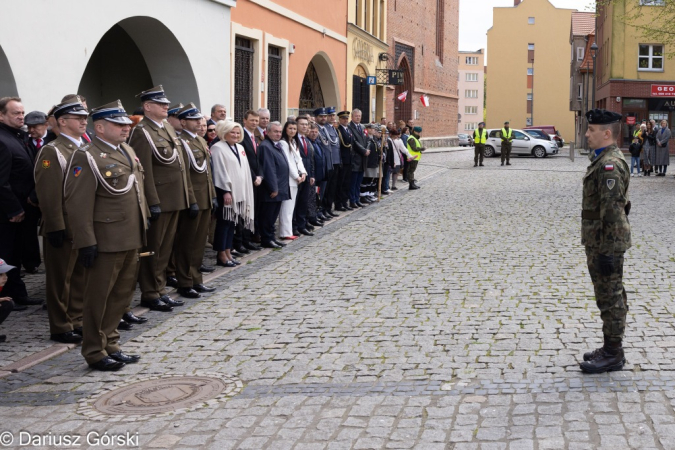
[361,97]
[521,143]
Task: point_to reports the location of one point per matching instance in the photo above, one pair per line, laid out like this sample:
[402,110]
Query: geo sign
[663,90]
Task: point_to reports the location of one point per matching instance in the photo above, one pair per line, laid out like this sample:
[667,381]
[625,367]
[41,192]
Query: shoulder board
[140,125]
[85,147]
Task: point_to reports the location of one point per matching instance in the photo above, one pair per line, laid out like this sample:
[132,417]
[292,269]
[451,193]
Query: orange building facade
[289,56]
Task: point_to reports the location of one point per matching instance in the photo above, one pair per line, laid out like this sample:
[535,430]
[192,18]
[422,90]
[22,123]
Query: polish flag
[402,96]
[425,100]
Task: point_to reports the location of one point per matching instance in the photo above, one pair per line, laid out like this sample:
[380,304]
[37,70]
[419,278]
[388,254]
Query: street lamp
[594,50]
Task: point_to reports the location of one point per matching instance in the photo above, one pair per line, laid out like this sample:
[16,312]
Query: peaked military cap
[155,94]
[173,111]
[112,112]
[73,105]
[602,117]
[330,110]
[189,111]
[35,118]
[320,112]
[343,114]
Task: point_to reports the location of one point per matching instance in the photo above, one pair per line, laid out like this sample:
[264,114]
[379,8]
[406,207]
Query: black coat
[359,146]
[275,172]
[389,154]
[320,162]
[307,159]
[17,181]
[252,156]
[373,160]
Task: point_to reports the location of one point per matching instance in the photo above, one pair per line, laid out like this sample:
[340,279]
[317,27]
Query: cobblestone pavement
[453,317]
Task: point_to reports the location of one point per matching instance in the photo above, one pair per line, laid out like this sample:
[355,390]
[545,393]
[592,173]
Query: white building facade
[471,89]
[111,50]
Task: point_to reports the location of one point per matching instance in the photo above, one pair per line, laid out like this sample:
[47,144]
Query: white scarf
[231,175]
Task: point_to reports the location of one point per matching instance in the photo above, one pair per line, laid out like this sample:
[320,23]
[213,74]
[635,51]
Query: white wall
[48,43]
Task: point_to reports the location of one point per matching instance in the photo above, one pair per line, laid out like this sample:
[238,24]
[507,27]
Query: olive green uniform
[478,148]
[191,234]
[605,230]
[167,184]
[107,208]
[507,143]
[64,287]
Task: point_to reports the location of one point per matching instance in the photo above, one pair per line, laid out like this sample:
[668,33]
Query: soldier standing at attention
[605,232]
[415,149]
[108,214]
[479,140]
[65,279]
[507,140]
[168,190]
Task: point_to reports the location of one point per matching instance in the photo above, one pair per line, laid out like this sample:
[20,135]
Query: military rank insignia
[610,183]
[46,164]
[103,155]
[77,171]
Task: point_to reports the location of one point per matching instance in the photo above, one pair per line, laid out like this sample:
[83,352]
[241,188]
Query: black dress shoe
[412,187]
[270,244]
[281,244]
[203,288]
[353,206]
[360,205]
[28,301]
[251,246]
[133,318]
[306,232]
[206,269]
[333,213]
[119,356]
[66,338]
[243,250]
[324,217]
[296,232]
[341,208]
[315,222]
[124,325]
[156,305]
[78,331]
[235,253]
[235,262]
[18,307]
[172,281]
[349,207]
[171,302]
[309,227]
[107,364]
[188,293]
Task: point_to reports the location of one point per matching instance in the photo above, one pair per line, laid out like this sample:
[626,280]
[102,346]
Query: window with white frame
[530,71]
[471,60]
[530,20]
[529,96]
[471,93]
[471,110]
[471,76]
[530,46]
[580,53]
[469,126]
[580,91]
[652,2]
[650,57]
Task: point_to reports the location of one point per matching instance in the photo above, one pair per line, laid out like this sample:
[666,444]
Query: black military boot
[608,359]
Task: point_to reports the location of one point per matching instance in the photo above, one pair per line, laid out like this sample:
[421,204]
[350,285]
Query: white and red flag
[402,96]
[425,100]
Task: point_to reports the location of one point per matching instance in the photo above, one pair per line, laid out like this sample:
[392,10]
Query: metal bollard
[572,151]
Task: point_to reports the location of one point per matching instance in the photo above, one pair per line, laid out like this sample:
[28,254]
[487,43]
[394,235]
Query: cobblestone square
[452,317]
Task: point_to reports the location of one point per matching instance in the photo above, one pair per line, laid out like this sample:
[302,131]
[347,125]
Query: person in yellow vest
[507,140]
[479,139]
[415,150]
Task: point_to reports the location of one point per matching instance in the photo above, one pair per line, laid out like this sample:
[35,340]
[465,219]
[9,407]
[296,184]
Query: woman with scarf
[234,189]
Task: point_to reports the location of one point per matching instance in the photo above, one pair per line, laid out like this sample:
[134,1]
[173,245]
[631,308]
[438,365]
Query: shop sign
[362,50]
[663,90]
[661,105]
[395,78]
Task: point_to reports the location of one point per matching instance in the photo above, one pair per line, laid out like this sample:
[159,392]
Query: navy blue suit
[304,189]
[275,179]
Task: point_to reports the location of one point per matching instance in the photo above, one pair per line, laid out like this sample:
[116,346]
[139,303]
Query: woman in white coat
[290,143]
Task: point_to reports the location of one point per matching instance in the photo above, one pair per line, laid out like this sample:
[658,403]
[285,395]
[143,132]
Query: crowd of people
[649,149]
[137,198]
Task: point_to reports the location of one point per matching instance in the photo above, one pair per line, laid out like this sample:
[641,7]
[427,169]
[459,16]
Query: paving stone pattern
[453,317]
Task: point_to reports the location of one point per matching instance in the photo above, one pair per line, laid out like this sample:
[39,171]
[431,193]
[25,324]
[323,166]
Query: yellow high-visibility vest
[413,150]
[478,139]
[506,135]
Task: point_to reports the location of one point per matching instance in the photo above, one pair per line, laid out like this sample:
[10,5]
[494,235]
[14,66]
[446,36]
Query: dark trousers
[269,213]
[301,206]
[241,235]
[355,188]
[223,239]
[160,236]
[31,255]
[344,183]
[331,188]
[5,309]
[12,237]
[257,202]
[478,153]
[405,169]
[412,167]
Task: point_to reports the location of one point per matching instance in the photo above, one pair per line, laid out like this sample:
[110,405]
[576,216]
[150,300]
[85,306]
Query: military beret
[417,129]
[602,117]
[343,114]
[35,118]
[173,111]
[320,112]
[481,123]
[72,106]
[189,111]
[155,94]
[506,123]
[112,112]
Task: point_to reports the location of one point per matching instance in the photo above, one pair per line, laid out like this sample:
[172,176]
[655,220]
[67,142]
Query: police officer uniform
[507,141]
[107,212]
[605,232]
[479,139]
[337,178]
[193,228]
[64,278]
[168,190]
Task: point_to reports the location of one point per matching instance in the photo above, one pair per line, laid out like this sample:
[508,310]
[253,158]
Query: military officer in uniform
[335,179]
[415,149]
[107,213]
[479,140]
[172,118]
[192,232]
[605,232]
[64,278]
[168,190]
[507,141]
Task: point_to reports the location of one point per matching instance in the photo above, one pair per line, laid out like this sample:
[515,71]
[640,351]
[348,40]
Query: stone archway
[136,54]
[403,110]
[319,86]
[7,82]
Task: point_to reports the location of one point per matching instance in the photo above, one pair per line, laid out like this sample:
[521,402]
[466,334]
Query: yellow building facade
[366,35]
[528,51]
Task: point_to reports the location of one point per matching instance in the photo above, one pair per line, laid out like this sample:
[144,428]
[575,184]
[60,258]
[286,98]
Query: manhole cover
[150,397]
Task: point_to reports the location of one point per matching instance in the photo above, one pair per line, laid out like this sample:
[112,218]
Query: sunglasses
[211,130]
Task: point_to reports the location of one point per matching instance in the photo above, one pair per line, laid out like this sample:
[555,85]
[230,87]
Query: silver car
[465,140]
[523,144]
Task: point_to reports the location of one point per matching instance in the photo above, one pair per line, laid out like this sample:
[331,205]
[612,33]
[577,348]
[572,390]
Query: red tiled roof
[583,23]
[587,64]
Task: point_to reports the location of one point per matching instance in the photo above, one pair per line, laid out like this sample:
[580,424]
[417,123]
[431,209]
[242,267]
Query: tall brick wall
[413,23]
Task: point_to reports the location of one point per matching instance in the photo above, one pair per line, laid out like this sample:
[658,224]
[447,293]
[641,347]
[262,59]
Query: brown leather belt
[587,214]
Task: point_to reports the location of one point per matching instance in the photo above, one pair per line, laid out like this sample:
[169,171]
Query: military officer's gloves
[606,265]
[155,211]
[56,238]
[194,211]
[88,255]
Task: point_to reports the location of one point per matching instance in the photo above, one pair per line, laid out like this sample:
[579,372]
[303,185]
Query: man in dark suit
[322,165]
[16,186]
[275,187]
[242,237]
[359,148]
[304,189]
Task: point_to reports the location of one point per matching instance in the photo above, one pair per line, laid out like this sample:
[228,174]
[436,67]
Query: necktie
[304,145]
[255,146]
[86,137]
[38,143]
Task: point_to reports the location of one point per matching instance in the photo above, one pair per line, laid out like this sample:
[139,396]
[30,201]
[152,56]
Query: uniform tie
[38,143]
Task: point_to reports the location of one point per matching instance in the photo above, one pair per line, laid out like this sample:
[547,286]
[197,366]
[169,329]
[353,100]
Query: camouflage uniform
[605,230]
